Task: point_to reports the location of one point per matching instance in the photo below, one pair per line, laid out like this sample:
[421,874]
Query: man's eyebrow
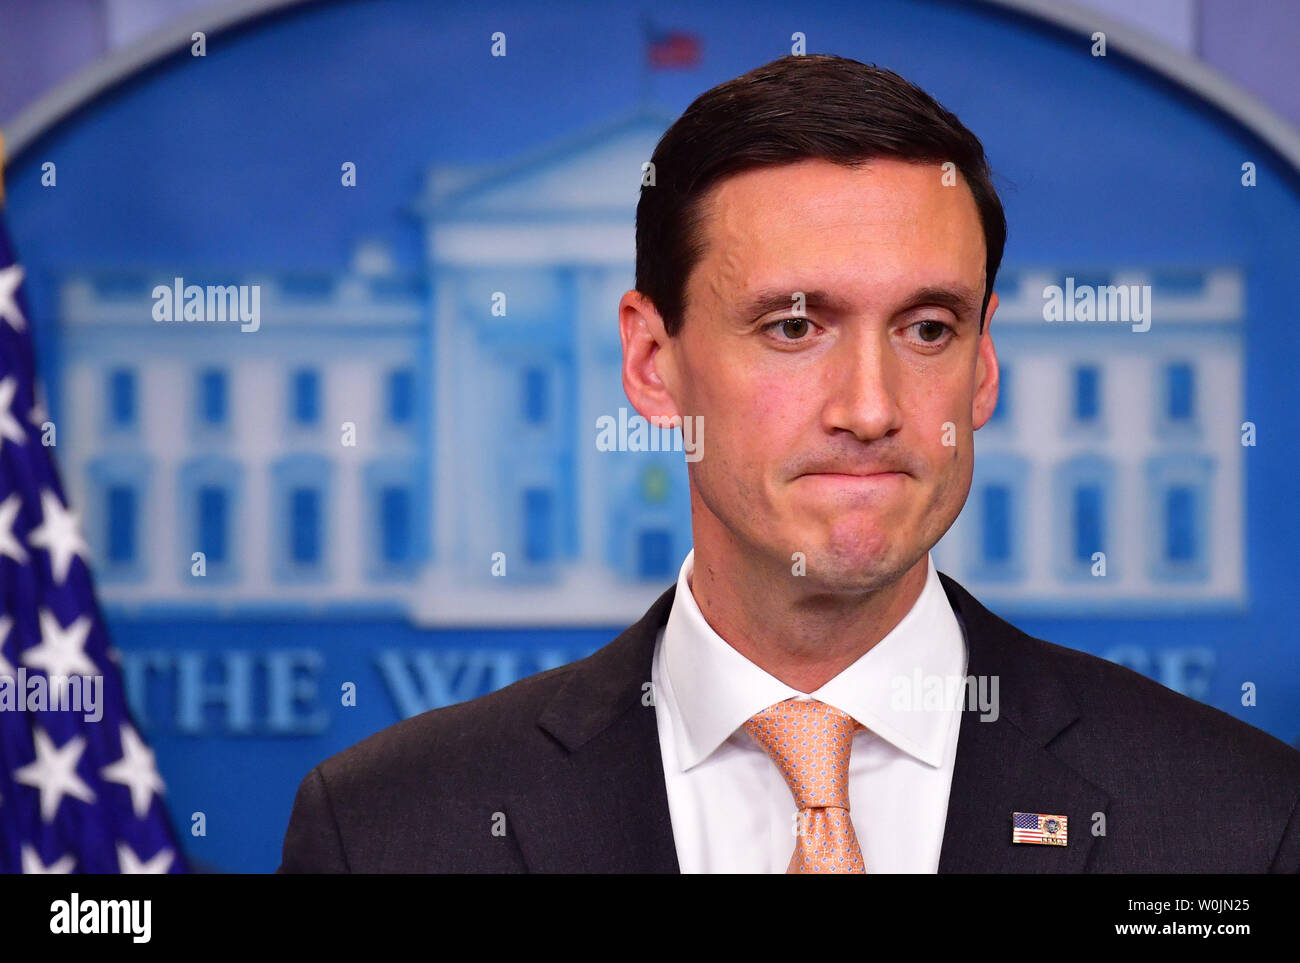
[773,299]
[959,300]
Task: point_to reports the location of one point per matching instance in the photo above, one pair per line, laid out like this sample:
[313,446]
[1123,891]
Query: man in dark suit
[816,254]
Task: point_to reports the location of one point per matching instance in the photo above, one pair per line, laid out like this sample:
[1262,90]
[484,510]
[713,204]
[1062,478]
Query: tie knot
[810,743]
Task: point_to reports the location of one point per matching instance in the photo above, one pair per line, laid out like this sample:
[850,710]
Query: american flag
[1038,828]
[79,791]
[673,48]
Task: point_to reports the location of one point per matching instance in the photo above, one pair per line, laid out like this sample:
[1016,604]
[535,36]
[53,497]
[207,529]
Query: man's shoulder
[442,774]
[1132,731]
[490,731]
[417,795]
[407,798]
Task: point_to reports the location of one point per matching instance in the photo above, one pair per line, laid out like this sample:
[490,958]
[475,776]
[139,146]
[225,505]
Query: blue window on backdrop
[212,396]
[306,396]
[1180,524]
[121,523]
[1180,386]
[395,524]
[213,521]
[121,397]
[304,525]
[653,556]
[401,396]
[997,523]
[1087,401]
[537,525]
[534,396]
[1088,522]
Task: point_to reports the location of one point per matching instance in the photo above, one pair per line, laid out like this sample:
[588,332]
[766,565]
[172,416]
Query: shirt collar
[717,689]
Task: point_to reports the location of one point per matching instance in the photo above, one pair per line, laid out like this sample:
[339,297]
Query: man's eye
[931,331]
[794,328]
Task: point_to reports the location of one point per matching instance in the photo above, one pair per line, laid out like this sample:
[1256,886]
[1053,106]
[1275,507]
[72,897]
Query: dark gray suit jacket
[561,772]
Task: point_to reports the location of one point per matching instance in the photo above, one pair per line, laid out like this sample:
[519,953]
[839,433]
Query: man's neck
[786,625]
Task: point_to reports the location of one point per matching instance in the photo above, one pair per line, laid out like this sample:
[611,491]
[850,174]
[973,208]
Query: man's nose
[862,395]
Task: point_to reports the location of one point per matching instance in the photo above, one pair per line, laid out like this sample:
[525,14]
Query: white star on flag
[130,864]
[10,429]
[58,535]
[33,864]
[9,544]
[54,773]
[62,651]
[10,278]
[136,771]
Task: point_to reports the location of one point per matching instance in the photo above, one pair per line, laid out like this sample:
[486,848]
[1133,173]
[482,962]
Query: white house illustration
[426,444]
[1111,445]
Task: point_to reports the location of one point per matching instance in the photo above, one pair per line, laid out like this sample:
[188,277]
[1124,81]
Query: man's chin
[858,540]
[851,569]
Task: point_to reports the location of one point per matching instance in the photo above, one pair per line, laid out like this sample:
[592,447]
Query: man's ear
[650,376]
[986,372]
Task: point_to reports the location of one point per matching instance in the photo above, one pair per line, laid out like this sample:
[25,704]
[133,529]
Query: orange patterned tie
[810,743]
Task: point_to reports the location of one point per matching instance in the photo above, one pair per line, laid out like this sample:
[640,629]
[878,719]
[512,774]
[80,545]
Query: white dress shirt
[732,810]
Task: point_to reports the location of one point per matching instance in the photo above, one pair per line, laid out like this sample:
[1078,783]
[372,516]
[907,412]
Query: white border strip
[87,84]
[1197,77]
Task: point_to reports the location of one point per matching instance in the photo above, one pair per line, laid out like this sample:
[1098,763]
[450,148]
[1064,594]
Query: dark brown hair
[792,109]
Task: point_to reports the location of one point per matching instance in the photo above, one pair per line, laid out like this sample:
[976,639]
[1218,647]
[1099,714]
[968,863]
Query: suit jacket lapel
[1003,765]
[604,808]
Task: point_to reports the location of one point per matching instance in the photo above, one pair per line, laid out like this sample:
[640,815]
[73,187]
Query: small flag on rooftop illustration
[671,49]
[79,791]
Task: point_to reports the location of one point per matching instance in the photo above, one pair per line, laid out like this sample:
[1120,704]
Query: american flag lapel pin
[1039,829]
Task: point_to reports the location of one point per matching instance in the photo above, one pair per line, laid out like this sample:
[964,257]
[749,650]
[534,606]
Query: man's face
[878,373]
